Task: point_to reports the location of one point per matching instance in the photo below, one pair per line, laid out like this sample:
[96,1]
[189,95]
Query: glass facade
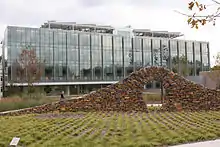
[80,56]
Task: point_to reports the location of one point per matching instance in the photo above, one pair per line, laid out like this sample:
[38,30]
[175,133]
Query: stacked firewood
[126,95]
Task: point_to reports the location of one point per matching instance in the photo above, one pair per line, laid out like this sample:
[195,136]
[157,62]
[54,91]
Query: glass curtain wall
[198,63]
[183,70]
[49,57]
[80,56]
[137,51]
[174,56]
[107,57]
[165,53]
[97,57]
[205,57]
[147,52]
[73,56]
[190,59]
[156,52]
[85,57]
[59,47]
[128,56]
[147,56]
[118,58]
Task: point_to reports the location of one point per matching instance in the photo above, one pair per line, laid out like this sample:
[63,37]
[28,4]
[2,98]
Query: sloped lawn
[96,129]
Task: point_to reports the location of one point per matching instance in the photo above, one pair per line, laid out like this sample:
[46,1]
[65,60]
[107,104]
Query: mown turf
[96,129]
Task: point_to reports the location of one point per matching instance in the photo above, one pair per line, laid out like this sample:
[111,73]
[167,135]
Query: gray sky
[149,14]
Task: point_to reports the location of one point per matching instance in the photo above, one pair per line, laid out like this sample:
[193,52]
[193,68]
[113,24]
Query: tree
[199,15]
[29,68]
[214,74]
[180,65]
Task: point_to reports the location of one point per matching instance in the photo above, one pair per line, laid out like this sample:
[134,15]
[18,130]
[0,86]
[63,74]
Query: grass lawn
[96,129]
[152,97]
[7,104]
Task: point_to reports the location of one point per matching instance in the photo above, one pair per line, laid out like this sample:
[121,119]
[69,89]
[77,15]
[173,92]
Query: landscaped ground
[96,129]
[152,98]
[7,104]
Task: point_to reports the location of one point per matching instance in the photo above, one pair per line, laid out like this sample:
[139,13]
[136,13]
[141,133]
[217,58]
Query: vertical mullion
[194,63]
[102,57]
[113,58]
[132,53]
[208,56]
[186,57]
[39,49]
[201,54]
[123,60]
[142,51]
[66,59]
[79,61]
[152,54]
[53,59]
[161,59]
[90,40]
[178,56]
[170,57]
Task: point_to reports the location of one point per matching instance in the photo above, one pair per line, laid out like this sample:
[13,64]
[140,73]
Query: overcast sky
[149,14]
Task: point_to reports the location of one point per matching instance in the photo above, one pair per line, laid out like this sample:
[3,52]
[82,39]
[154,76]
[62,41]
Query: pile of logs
[126,95]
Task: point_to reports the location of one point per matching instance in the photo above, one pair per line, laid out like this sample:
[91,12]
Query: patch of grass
[154,108]
[7,104]
[151,97]
[111,129]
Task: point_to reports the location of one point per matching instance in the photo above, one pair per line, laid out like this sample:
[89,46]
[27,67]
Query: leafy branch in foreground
[198,17]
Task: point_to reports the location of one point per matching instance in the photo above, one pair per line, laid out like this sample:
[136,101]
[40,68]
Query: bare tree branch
[216,2]
[218,15]
[195,19]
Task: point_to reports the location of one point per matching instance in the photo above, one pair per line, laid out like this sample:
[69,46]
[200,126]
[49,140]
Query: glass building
[74,56]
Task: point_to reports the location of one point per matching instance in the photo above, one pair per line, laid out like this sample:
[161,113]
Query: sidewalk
[213,143]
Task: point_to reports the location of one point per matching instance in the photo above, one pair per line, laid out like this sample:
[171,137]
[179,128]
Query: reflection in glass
[96,57]
[183,69]
[198,63]
[165,53]
[137,51]
[205,59]
[107,57]
[174,56]
[190,58]
[85,67]
[147,52]
[128,56]
[79,56]
[118,58]
[156,52]
[72,56]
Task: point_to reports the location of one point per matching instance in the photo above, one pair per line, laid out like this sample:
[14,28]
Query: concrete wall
[196,79]
[207,82]
[203,79]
